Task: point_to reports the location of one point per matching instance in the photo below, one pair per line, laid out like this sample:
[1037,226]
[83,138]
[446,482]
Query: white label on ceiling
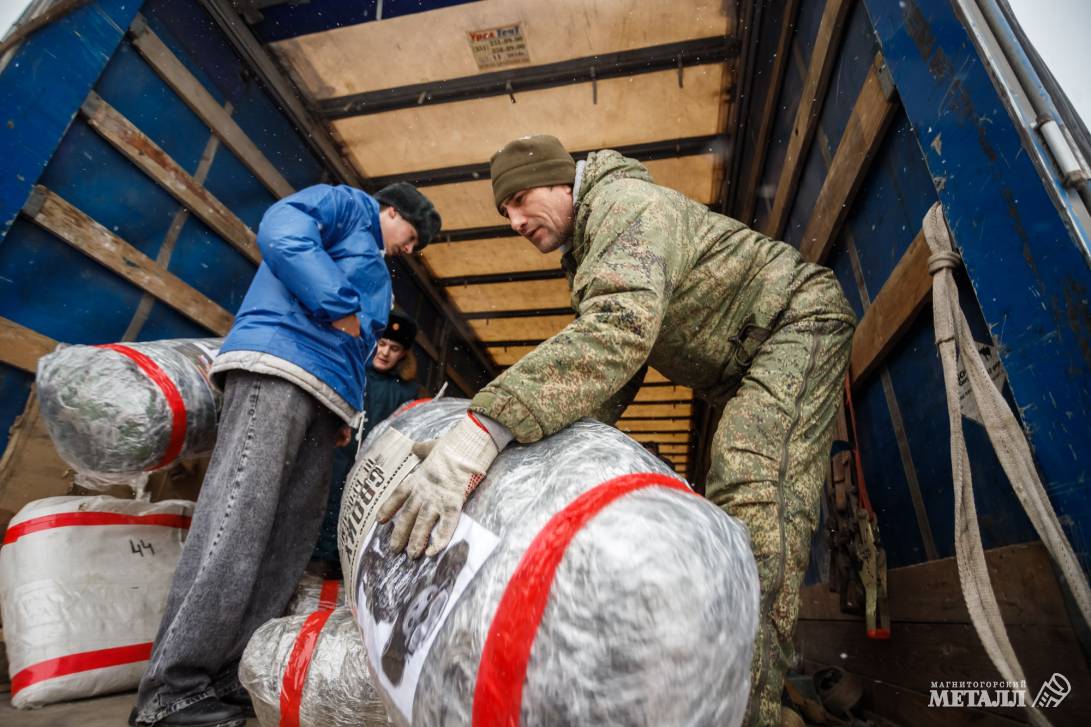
[501,46]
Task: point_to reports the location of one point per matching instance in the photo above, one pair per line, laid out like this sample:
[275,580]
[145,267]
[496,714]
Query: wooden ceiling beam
[514,342]
[648,151]
[698,51]
[524,313]
[510,277]
[474,233]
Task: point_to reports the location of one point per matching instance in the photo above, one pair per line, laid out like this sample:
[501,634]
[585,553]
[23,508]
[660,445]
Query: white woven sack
[83,586]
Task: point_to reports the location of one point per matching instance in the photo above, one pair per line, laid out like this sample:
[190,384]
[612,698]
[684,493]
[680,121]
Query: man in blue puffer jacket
[293,373]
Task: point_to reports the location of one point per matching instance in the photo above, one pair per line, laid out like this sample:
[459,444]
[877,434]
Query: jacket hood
[604,167]
[601,169]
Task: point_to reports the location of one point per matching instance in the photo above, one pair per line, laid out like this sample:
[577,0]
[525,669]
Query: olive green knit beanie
[532,161]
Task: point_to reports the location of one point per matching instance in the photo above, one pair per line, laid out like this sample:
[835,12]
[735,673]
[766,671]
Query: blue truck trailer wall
[55,290]
[948,137]
[1026,265]
[951,139]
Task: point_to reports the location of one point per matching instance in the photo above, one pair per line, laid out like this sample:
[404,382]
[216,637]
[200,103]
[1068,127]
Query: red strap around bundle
[299,662]
[499,693]
[410,405]
[75,519]
[170,392]
[327,597]
[76,663]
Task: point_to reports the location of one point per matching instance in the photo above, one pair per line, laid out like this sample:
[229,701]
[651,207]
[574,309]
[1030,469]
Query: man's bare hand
[344,435]
[350,324]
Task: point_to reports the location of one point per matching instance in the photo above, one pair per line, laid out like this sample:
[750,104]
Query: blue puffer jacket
[323,259]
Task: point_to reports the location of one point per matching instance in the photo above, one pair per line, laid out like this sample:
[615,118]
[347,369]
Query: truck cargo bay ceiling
[427,98]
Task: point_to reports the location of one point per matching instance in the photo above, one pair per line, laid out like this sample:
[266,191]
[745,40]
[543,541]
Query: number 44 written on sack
[138,546]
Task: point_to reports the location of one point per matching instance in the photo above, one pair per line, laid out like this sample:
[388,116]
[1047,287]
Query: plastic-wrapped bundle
[586,584]
[118,410]
[313,592]
[83,585]
[325,686]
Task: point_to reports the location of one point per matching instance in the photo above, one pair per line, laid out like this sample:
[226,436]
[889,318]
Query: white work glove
[431,497]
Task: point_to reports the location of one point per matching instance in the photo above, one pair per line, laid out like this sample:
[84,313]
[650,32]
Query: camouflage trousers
[769,461]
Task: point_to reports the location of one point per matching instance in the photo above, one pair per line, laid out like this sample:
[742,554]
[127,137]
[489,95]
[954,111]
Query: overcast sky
[1058,30]
[10,10]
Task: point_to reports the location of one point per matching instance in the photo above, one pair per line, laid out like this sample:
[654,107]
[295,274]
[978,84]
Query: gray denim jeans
[255,524]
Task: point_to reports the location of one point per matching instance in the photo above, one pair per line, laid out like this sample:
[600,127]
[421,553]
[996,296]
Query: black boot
[209,712]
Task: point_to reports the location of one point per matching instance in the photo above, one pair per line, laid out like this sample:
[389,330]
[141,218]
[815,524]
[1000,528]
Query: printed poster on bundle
[370,481]
[410,600]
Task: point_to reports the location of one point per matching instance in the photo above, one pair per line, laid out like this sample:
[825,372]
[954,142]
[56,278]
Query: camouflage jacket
[658,279]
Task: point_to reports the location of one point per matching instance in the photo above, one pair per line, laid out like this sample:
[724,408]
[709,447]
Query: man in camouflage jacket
[657,279]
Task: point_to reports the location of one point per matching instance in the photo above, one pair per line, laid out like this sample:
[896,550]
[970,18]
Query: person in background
[293,375]
[653,448]
[390,383]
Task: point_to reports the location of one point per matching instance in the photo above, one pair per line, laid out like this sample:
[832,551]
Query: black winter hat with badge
[417,209]
[400,328]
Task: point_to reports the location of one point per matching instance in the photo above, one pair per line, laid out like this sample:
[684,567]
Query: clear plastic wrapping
[308,594]
[649,619]
[337,692]
[114,412]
